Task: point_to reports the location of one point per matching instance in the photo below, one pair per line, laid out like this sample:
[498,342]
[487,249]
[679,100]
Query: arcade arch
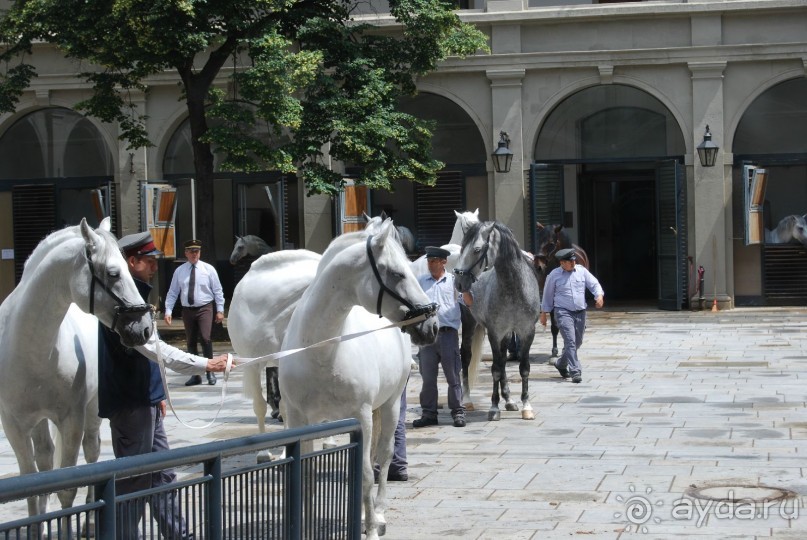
[608,165]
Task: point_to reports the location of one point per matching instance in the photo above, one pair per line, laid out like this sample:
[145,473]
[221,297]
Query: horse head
[479,252]
[395,292]
[239,250]
[463,223]
[106,289]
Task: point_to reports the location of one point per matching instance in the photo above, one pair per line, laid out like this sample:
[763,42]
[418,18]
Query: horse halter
[122,306]
[414,311]
[483,258]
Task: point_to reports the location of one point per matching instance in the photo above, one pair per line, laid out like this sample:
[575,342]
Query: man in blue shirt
[565,293]
[445,351]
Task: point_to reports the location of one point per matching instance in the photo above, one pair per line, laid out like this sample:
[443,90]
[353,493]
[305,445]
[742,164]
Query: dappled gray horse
[506,302]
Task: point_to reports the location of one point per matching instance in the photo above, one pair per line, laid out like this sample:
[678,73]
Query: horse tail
[477,343]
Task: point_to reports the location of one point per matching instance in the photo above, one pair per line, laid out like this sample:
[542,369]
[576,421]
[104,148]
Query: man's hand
[598,302]
[162,408]
[543,319]
[219,317]
[168,319]
[218,363]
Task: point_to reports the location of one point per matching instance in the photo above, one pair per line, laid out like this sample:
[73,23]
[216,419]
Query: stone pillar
[712,185]
[507,189]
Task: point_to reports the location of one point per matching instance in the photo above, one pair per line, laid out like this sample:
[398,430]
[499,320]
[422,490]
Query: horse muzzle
[463,280]
[424,332]
[133,323]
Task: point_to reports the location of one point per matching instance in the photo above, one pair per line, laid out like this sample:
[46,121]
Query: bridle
[414,311]
[122,306]
[481,261]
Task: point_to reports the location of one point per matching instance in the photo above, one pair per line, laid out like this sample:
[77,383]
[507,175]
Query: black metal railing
[223,491]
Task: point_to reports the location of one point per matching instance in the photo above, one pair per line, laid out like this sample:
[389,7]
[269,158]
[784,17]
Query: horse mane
[508,245]
[257,241]
[58,239]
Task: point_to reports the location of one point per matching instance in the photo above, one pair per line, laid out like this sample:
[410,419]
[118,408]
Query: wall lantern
[707,150]
[503,156]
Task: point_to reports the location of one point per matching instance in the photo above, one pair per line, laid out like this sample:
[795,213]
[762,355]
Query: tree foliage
[309,77]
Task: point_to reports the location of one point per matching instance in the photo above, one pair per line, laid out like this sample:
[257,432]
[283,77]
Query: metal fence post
[107,517]
[295,529]
[215,501]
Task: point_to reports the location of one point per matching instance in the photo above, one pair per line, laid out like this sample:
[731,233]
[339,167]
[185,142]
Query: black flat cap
[566,255]
[138,244]
[434,252]
[193,244]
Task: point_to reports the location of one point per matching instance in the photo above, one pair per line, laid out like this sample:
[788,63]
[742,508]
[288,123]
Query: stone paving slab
[669,401]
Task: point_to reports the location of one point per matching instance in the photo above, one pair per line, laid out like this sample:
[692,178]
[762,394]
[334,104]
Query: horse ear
[558,228]
[366,217]
[90,237]
[383,214]
[106,224]
[457,213]
[476,212]
[539,226]
[385,230]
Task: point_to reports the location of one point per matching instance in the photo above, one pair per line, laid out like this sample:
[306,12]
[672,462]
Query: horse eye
[398,275]
[477,249]
[114,274]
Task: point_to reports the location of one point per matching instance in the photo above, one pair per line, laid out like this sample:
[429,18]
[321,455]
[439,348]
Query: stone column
[712,185]
[507,189]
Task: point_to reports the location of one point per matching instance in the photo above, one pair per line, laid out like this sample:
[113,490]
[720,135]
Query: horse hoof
[494,416]
[469,406]
[275,413]
[554,351]
[527,415]
[510,407]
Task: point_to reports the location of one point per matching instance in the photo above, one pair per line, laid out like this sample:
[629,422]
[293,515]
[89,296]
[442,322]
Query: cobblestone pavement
[670,403]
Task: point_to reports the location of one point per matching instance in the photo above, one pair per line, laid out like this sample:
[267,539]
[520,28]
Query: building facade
[604,104]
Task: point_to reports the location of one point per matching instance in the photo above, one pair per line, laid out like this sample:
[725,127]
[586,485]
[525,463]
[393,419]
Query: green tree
[309,75]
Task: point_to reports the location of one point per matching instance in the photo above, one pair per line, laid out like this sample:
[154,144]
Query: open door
[160,209]
[354,202]
[671,235]
[755,181]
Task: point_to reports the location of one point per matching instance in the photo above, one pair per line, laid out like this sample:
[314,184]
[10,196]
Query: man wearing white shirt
[196,285]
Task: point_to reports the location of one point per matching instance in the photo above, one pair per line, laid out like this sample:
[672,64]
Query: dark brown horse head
[552,239]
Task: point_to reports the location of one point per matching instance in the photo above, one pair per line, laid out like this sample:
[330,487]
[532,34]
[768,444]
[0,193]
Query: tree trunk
[203,167]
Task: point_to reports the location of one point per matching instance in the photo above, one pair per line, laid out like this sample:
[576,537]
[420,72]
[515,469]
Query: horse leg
[369,516]
[42,451]
[387,419]
[468,328]
[91,445]
[497,371]
[273,392]
[555,331]
[509,404]
[69,437]
[524,370]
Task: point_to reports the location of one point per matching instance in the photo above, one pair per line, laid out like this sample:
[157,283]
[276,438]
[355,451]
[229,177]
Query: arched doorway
[771,137]
[462,184]
[55,168]
[608,166]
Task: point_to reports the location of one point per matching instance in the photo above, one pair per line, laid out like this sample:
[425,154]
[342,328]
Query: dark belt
[197,307]
[446,329]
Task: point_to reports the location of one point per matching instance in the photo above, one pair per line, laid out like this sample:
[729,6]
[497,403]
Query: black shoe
[424,421]
[459,421]
[397,476]
[577,378]
[211,378]
[194,380]
[564,372]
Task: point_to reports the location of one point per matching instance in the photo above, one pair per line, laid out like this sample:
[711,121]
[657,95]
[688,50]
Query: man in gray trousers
[565,292]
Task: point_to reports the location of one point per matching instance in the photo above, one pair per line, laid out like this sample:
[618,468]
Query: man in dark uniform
[131,396]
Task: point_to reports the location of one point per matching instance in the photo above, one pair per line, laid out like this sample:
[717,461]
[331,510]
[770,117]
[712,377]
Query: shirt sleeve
[215,288]
[174,359]
[172,294]
[548,299]
[593,285]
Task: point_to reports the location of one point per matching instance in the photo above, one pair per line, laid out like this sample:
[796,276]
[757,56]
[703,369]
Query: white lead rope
[271,360]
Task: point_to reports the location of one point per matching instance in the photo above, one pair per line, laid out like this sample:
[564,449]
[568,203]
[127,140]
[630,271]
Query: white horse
[463,223]
[790,229]
[248,245]
[48,362]
[261,307]
[364,377]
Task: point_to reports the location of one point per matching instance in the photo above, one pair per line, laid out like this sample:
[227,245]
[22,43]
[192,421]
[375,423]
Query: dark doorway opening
[618,230]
